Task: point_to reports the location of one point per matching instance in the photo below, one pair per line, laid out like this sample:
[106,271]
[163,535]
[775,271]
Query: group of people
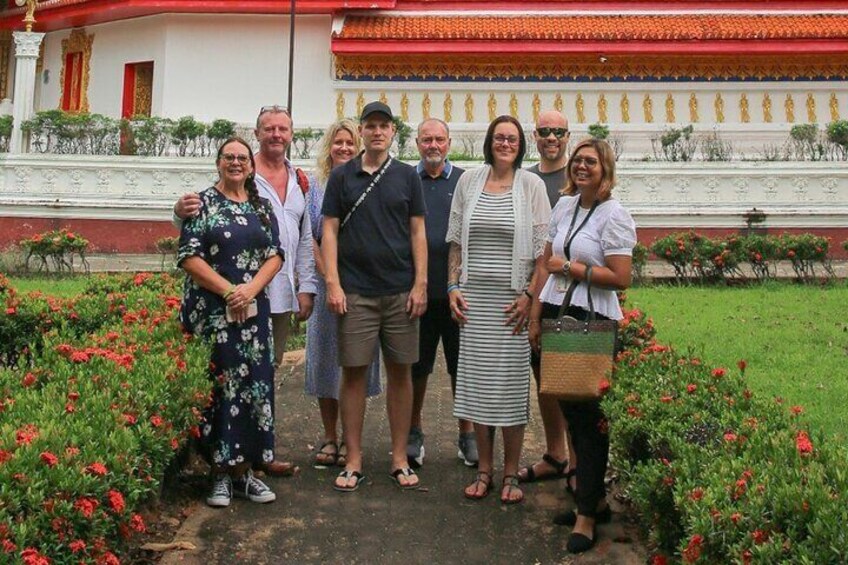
[351,247]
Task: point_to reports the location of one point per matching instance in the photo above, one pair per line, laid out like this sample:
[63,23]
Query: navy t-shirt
[438,195]
[375,246]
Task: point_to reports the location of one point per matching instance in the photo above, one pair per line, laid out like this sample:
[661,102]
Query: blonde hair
[325,161]
[606,159]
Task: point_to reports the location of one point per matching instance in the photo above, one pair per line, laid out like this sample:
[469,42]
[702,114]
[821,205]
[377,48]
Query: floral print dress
[238,425]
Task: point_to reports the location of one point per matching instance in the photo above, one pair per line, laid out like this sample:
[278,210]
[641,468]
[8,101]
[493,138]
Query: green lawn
[794,338]
[59,286]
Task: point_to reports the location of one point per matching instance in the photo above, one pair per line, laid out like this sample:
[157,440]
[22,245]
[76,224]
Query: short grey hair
[438,121]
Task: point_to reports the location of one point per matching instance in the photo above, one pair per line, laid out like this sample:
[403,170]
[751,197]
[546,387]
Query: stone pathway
[312,523]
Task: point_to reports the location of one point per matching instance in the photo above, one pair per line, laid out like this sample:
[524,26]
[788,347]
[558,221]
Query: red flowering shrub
[95,418]
[694,256]
[55,250]
[718,474]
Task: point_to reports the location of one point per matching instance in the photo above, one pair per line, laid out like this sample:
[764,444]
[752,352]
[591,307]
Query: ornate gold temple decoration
[29,17]
[744,114]
[693,108]
[648,108]
[669,109]
[404,107]
[383,98]
[425,106]
[719,108]
[625,109]
[448,108]
[767,108]
[602,109]
[5,50]
[485,67]
[811,108]
[789,107]
[469,108]
[834,107]
[558,102]
[537,105]
[143,95]
[76,49]
[493,107]
[360,103]
[513,106]
[340,106]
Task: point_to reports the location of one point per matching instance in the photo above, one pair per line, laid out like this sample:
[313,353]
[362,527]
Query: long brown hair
[606,159]
[250,181]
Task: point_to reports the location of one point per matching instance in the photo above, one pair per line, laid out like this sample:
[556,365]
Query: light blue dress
[322,370]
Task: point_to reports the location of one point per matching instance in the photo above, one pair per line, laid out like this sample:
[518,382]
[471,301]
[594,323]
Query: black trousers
[590,436]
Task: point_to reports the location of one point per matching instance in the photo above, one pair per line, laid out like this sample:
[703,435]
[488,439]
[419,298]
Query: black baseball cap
[376,107]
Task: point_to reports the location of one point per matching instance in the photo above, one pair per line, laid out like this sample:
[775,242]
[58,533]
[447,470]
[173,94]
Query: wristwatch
[566,268]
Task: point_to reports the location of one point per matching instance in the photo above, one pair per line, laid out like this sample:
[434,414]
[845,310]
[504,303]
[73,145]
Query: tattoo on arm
[454,263]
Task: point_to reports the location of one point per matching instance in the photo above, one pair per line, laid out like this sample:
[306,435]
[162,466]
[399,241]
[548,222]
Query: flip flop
[558,473]
[347,475]
[408,473]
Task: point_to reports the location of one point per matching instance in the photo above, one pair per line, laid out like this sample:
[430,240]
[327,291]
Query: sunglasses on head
[559,133]
[275,109]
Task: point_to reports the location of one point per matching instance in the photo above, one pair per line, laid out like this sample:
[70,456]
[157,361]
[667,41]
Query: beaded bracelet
[452,287]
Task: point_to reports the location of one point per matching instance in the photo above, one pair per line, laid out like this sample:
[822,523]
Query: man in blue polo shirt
[439,177]
[374,248]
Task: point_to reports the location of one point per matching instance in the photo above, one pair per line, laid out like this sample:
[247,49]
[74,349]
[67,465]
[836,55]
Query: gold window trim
[77,42]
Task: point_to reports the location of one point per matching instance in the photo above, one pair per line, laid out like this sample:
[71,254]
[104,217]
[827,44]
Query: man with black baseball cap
[374,247]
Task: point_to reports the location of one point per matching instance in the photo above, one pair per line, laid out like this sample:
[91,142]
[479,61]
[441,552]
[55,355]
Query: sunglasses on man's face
[559,133]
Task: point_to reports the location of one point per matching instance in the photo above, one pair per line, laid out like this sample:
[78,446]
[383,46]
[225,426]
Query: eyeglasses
[275,109]
[506,139]
[590,162]
[229,158]
[559,133]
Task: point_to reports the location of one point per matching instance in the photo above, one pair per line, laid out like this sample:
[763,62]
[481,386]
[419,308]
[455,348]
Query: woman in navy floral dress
[231,251]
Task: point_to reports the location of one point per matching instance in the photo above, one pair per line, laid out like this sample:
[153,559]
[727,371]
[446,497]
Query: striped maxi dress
[493,375]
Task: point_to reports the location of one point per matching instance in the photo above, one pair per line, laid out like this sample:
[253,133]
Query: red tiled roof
[622,27]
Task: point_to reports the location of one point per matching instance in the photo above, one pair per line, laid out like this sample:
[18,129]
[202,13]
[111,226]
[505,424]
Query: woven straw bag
[577,356]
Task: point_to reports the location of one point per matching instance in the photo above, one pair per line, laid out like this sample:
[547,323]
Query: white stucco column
[27,44]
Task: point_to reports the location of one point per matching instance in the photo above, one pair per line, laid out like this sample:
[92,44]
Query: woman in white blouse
[590,236]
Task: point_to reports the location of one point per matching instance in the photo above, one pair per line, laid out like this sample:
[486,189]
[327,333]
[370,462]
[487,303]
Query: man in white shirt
[292,290]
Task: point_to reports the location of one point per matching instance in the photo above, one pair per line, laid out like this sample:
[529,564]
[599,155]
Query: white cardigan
[532,215]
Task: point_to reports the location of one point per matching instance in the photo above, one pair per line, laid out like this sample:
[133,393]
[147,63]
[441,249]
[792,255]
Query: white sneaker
[253,489]
[467,444]
[221,493]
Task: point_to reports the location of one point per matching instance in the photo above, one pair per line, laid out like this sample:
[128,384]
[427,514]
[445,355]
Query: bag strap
[361,198]
[566,301]
[569,237]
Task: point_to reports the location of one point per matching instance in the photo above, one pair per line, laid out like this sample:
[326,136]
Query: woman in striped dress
[498,221]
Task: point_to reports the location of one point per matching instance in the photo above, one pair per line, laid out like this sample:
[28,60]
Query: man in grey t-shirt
[551,135]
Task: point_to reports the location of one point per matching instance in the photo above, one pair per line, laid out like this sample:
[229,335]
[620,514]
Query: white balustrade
[661,195]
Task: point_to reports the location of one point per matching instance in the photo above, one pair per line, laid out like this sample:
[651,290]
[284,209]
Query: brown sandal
[510,483]
[483,478]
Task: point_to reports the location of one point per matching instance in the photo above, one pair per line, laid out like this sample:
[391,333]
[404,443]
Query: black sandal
[329,458]
[558,466]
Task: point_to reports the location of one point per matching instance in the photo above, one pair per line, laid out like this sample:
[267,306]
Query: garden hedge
[717,473]
[99,395]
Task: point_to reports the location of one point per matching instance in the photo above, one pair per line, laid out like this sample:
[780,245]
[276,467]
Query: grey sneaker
[468,449]
[415,448]
[221,493]
[253,489]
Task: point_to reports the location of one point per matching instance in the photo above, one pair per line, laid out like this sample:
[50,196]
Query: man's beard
[434,160]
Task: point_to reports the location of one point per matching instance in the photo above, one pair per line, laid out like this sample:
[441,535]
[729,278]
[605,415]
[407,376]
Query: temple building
[747,70]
